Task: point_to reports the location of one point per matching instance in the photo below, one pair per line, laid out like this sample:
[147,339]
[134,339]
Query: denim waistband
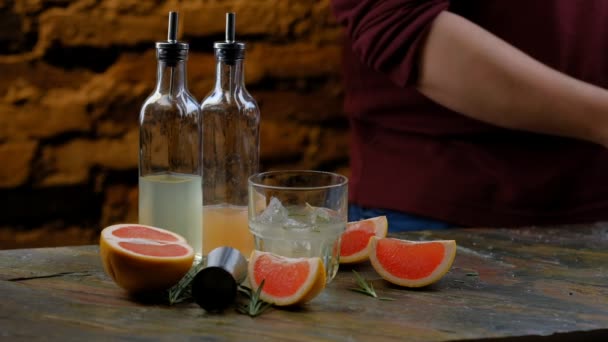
[397,221]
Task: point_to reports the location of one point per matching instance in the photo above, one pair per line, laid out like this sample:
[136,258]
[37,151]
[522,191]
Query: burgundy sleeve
[386,34]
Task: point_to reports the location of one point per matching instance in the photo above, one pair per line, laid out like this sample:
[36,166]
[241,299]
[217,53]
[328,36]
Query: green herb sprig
[366,288]
[255,306]
[183,290]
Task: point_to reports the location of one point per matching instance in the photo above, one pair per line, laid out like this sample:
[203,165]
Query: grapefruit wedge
[143,258]
[411,263]
[354,245]
[287,281]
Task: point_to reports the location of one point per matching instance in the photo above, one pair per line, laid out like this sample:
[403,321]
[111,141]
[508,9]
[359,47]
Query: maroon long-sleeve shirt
[413,155]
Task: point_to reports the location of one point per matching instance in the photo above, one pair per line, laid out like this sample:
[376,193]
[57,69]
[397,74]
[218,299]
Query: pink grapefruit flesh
[354,245]
[411,263]
[287,281]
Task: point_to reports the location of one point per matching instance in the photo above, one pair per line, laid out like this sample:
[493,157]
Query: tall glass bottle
[231,120]
[170,138]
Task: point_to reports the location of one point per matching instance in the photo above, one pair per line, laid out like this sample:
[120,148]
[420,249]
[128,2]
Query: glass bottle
[170,137]
[231,120]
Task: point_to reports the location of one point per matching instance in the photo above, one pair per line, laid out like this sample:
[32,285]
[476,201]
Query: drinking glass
[299,214]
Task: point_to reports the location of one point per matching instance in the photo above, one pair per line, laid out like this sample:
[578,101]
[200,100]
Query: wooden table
[528,282]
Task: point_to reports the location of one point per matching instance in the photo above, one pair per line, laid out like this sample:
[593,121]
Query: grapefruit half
[287,281]
[411,263]
[354,245]
[143,258]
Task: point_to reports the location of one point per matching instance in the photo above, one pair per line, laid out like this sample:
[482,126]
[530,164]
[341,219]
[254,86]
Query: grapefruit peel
[143,258]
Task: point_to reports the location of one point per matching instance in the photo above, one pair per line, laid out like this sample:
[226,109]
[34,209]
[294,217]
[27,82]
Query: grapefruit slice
[287,281]
[143,258]
[411,263]
[354,245]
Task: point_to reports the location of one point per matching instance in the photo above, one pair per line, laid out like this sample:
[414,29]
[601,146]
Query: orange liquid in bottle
[226,225]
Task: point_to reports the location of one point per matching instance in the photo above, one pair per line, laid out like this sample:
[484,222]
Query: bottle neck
[171,77]
[229,76]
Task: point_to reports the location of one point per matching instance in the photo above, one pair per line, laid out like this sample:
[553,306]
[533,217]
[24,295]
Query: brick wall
[73,75]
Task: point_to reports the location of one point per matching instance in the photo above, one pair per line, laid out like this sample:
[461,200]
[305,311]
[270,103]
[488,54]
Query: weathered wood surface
[504,283]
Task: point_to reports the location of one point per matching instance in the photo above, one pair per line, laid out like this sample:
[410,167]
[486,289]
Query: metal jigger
[215,287]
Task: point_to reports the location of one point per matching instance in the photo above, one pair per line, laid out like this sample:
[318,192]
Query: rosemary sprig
[183,290]
[366,288]
[255,306]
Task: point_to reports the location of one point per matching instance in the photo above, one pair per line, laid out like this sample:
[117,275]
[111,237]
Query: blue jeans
[397,221]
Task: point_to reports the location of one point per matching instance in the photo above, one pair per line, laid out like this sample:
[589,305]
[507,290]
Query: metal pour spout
[230,27]
[172,32]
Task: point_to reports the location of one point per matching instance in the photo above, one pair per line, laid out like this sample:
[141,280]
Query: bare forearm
[469,70]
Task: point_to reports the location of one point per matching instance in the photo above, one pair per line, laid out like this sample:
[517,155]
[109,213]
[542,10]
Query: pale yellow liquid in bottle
[173,201]
[226,225]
